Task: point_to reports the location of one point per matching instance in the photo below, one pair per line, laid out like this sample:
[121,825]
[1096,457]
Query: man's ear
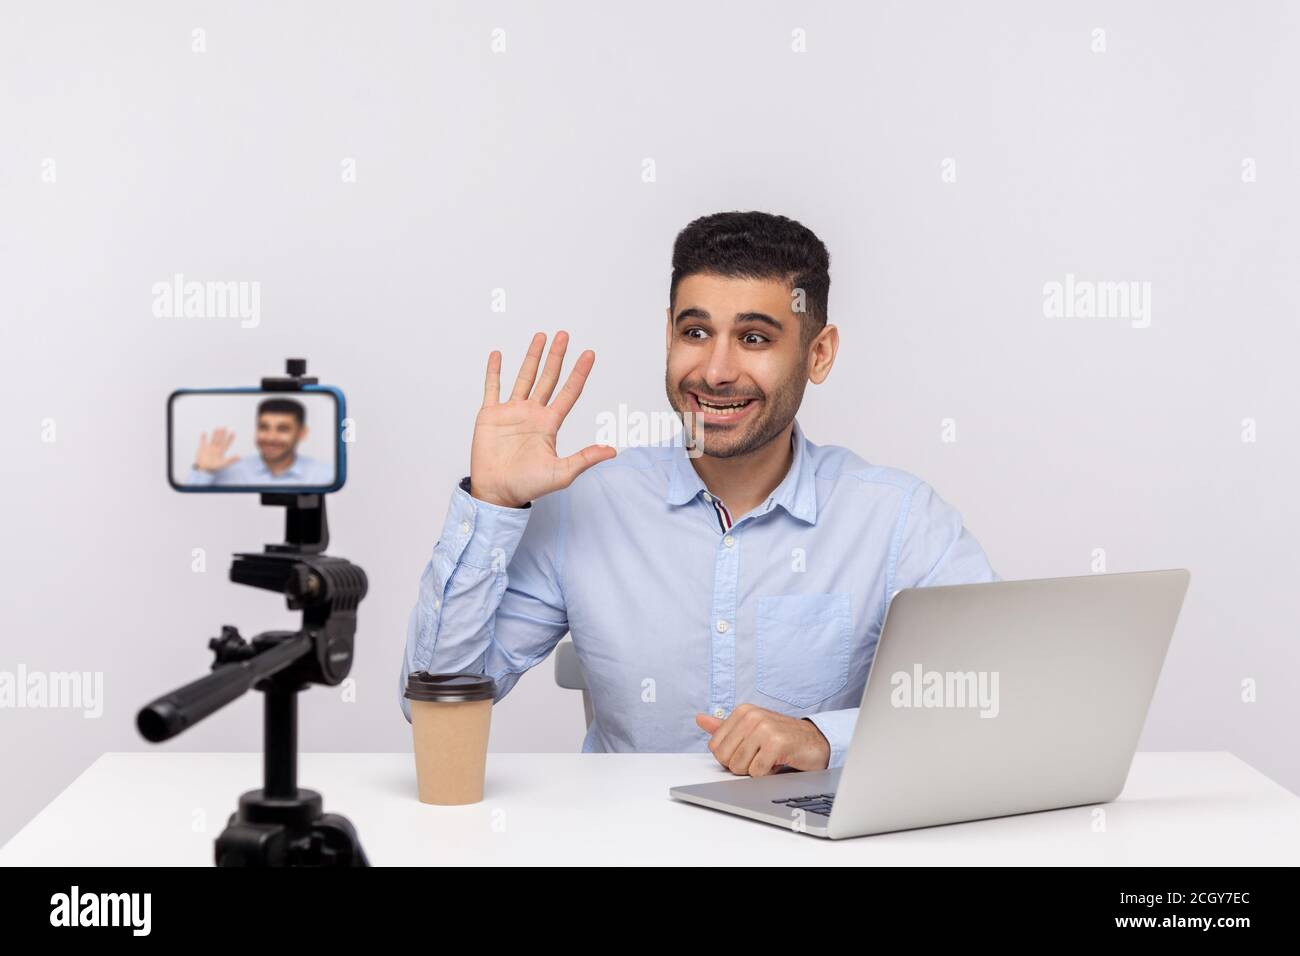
[821,354]
[668,333]
[302,434]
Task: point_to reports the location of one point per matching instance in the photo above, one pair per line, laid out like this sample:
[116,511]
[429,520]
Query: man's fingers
[738,725]
[203,440]
[764,761]
[744,755]
[551,373]
[568,396]
[230,440]
[747,741]
[708,723]
[724,740]
[528,371]
[492,384]
[575,464]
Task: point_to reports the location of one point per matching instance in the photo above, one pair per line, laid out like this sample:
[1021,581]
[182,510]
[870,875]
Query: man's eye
[748,336]
[694,328]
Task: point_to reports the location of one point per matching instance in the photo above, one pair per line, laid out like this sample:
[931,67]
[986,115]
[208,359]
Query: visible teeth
[711,406]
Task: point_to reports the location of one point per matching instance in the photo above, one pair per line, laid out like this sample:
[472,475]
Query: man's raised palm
[212,454]
[513,458]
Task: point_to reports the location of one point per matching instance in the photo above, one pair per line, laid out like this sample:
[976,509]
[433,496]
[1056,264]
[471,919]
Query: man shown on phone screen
[281,427]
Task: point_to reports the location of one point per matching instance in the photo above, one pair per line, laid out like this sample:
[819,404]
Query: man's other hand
[757,741]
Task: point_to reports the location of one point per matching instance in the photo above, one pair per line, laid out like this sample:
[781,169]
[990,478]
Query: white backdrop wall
[380,169]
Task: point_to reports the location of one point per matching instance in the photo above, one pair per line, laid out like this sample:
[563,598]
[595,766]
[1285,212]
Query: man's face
[278,434]
[736,341]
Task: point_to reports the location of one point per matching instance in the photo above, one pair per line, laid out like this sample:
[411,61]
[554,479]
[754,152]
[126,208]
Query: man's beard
[777,411]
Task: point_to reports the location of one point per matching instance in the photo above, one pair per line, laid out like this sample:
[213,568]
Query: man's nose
[721,368]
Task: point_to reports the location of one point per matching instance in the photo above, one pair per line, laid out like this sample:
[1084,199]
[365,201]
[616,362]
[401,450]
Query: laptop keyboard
[819,803]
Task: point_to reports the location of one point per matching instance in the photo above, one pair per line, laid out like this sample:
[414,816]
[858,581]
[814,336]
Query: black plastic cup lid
[449,688]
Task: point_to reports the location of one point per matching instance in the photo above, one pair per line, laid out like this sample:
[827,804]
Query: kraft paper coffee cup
[450,718]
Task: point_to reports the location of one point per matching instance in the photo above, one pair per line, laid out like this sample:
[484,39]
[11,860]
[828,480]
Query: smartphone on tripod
[285,441]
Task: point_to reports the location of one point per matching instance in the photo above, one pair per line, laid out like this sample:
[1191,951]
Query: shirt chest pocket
[802,648]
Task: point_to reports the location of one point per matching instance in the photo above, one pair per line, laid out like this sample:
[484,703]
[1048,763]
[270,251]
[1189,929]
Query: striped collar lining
[724,516]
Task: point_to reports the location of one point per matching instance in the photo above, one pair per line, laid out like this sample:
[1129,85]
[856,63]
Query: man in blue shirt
[729,600]
[281,427]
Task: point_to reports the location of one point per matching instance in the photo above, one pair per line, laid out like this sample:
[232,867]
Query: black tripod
[280,824]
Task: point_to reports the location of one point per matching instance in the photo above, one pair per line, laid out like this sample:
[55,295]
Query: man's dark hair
[284,406]
[758,245]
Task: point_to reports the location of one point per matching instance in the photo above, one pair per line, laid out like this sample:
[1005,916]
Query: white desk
[167,808]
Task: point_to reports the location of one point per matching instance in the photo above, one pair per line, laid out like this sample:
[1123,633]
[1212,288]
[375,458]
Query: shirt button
[729,541]
[708,497]
[437,603]
[719,713]
[464,527]
[722,627]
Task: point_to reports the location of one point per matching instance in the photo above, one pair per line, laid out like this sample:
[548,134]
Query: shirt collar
[797,492]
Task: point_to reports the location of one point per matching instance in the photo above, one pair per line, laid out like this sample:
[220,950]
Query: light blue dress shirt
[253,470]
[673,616]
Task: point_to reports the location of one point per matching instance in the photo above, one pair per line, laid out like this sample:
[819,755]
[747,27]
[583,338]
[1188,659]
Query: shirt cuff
[837,727]
[482,535]
[198,476]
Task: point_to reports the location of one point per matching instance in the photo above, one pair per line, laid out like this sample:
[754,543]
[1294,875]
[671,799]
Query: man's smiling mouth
[720,408]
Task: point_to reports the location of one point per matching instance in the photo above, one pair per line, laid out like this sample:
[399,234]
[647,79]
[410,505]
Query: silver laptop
[984,700]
